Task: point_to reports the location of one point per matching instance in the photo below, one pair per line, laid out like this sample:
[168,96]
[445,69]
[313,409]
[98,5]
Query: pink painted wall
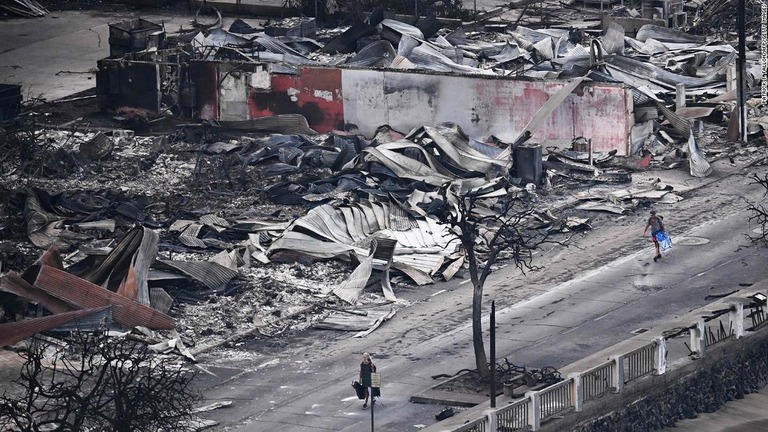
[481,105]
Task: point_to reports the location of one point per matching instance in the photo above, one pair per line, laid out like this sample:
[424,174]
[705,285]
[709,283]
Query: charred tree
[758,211]
[491,231]
[98,383]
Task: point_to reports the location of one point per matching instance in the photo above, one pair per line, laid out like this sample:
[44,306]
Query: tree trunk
[481,361]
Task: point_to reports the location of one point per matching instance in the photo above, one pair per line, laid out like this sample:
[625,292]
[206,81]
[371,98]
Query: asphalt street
[598,308]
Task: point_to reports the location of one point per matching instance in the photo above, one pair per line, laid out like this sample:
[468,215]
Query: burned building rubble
[489,79]
[304,167]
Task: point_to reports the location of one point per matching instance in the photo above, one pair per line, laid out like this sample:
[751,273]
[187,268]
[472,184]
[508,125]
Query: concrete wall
[485,106]
[331,98]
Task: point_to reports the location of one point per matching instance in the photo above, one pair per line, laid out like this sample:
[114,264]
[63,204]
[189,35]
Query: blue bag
[664,241]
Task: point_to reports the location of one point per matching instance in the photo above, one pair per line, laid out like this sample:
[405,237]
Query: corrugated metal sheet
[421,247]
[13,332]
[15,284]
[51,257]
[74,290]
[284,123]
[98,320]
[362,321]
[351,289]
[426,263]
[189,236]
[418,276]
[210,274]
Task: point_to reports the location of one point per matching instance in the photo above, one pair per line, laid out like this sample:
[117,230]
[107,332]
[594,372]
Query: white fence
[718,322]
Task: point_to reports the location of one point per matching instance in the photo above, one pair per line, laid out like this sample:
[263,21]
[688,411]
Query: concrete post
[680,96]
[492,420]
[660,356]
[736,318]
[730,78]
[576,393]
[534,410]
[697,338]
[618,372]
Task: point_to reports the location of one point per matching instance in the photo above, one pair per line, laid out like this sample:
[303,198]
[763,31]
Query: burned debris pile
[266,178]
[336,78]
[197,238]
[25,8]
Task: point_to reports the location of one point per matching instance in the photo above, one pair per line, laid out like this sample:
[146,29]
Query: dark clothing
[365,373]
[359,389]
[656,225]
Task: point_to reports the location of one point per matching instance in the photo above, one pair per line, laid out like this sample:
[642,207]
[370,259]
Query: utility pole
[741,99]
[493,355]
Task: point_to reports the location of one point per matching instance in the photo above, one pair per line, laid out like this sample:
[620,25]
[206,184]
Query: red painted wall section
[315,93]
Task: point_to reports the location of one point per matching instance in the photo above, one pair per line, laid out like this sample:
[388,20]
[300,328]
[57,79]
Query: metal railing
[757,316]
[556,399]
[639,362]
[571,394]
[598,381]
[514,417]
[720,334]
[479,425]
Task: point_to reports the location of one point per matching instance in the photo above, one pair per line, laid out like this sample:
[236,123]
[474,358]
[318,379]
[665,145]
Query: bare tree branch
[491,230]
[98,383]
[758,211]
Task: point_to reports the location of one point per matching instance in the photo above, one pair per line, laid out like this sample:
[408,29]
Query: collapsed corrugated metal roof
[13,332]
[83,294]
[383,189]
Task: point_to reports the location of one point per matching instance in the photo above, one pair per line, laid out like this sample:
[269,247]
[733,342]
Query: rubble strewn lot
[207,229]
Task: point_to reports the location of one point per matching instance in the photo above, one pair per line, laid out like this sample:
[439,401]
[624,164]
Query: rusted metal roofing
[15,284]
[51,257]
[77,291]
[13,332]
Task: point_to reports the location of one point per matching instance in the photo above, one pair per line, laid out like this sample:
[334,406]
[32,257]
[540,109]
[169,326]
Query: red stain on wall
[602,118]
[314,92]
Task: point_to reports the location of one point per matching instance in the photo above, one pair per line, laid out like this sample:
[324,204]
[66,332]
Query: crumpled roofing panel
[351,289]
[16,331]
[83,294]
[325,231]
[210,274]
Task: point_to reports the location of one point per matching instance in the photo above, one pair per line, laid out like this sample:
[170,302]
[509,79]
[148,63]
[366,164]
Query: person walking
[656,224]
[366,368]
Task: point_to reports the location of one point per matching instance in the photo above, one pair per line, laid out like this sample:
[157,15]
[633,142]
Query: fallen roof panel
[15,284]
[13,332]
[74,290]
[210,274]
